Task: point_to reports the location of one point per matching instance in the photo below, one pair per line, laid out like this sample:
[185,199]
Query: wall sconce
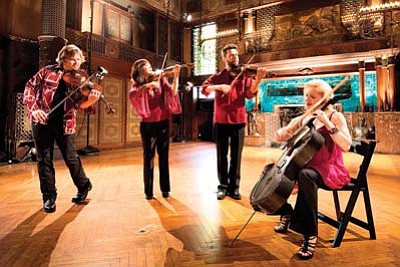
[187,16]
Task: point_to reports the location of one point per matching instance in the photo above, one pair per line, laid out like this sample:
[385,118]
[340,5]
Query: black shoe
[49,205]
[81,195]
[165,194]
[235,194]
[221,194]
[148,197]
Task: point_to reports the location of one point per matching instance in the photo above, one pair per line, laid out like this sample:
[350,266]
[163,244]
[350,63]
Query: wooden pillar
[382,82]
[391,84]
[361,71]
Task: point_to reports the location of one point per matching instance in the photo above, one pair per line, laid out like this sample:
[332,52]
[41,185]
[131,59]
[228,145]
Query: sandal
[283,225]
[307,249]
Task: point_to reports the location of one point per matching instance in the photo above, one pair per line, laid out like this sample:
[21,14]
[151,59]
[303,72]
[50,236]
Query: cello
[277,179]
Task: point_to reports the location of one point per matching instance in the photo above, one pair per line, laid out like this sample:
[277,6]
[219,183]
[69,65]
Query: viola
[85,84]
[77,78]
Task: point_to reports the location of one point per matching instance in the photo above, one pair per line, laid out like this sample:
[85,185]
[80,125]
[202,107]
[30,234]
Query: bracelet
[334,130]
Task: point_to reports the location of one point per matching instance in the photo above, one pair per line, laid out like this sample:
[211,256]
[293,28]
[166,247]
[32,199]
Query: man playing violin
[154,100]
[325,169]
[42,92]
[231,88]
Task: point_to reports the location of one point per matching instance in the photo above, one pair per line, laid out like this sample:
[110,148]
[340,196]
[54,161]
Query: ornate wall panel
[81,129]
[387,128]
[132,121]
[111,125]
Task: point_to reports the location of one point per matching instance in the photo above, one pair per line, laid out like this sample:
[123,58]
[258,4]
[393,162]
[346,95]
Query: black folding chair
[356,185]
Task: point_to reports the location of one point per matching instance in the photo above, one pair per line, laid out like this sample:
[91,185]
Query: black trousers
[44,137]
[229,137]
[155,136]
[305,213]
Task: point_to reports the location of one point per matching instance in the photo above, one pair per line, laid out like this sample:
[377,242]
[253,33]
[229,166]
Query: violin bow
[164,60]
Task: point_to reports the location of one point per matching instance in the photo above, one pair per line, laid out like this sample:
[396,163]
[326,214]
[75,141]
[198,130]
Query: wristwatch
[334,130]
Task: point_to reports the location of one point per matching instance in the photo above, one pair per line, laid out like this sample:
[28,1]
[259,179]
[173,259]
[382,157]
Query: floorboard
[119,227]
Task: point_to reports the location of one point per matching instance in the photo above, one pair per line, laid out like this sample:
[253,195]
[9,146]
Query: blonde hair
[321,87]
[67,51]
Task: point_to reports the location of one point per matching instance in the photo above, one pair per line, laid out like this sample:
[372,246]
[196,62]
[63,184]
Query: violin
[249,71]
[167,72]
[85,84]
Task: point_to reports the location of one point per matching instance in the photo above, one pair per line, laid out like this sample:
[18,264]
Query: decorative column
[391,84]
[361,71]
[53,30]
[382,82]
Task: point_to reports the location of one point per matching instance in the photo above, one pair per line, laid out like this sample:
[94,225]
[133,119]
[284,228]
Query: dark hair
[136,71]
[226,48]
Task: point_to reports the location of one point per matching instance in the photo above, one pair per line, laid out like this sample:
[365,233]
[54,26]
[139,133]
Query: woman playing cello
[325,170]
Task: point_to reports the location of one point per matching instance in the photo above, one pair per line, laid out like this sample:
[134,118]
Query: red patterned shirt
[39,93]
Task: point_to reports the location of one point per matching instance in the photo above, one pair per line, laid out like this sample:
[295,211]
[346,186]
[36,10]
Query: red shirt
[229,108]
[40,90]
[154,105]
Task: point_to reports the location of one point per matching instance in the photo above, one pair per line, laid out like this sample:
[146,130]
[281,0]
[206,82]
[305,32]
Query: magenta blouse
[328,162]
[154,105]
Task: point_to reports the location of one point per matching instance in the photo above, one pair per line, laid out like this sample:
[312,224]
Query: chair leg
[345,218]
[337,204]
[368,211]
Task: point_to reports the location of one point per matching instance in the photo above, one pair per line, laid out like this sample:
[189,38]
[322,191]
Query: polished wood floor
[118,227]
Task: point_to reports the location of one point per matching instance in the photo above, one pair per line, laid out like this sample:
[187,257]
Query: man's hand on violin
[39,115]
[94,95]
[224,88]
[261,73]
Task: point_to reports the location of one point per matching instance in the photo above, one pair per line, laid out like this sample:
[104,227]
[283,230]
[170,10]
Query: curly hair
[68,51]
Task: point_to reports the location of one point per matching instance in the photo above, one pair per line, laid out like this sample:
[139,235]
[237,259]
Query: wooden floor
[118,227]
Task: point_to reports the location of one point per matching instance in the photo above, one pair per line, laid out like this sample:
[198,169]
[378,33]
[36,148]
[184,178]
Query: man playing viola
[42,92]
[231,88]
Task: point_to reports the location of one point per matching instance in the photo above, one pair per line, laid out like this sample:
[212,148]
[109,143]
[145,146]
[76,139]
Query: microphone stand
[89,150]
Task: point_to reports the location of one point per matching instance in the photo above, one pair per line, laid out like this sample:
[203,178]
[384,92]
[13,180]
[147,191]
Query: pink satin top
[328,162]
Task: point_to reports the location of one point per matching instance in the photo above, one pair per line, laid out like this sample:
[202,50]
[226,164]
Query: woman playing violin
[42,92]
[325,170]
[154,100]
